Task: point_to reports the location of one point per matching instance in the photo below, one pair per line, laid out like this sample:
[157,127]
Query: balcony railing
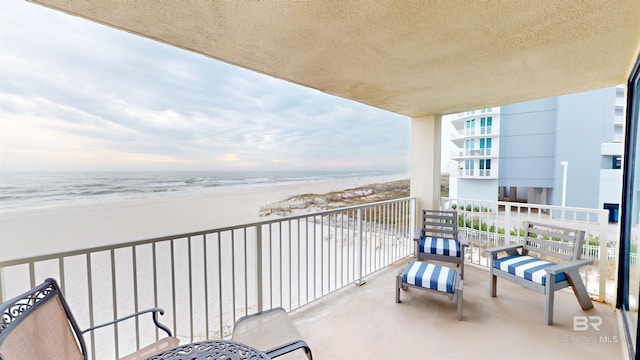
[206,280]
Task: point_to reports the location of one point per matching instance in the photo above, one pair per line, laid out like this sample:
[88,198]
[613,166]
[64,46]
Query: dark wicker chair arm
[155,312]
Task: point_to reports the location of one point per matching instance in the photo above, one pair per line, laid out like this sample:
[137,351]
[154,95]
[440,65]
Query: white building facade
[515,152]
[474,174]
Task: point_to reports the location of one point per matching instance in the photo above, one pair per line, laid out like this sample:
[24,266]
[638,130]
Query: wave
[29,190]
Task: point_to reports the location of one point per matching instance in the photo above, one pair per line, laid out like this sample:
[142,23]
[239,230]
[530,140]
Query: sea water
[24,190]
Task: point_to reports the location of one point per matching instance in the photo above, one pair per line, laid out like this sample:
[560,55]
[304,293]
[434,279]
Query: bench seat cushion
[430,276]
[439,246]
[527,267]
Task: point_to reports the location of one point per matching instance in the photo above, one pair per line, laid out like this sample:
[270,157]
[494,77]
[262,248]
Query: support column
[425,161]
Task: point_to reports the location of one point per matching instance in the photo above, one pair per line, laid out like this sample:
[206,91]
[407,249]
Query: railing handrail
[529,205]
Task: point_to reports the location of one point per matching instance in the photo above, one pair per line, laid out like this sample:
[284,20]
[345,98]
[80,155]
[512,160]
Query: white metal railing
[493,223]
[206,280]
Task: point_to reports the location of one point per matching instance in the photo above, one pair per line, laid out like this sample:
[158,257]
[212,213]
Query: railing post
[412,216]
[259,285]
[412,224]
[604,259]
[358,255]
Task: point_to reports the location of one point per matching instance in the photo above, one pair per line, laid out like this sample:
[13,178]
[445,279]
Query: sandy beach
[34,232]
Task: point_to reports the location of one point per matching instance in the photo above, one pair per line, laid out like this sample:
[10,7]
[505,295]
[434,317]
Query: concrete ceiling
[410,57]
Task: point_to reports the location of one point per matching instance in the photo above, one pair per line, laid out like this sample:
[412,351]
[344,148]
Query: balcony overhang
[412,58]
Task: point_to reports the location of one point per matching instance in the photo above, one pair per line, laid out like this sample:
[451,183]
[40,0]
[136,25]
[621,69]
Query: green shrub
[515,232]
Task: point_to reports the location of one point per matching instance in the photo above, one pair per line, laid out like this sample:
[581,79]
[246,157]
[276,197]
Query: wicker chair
[39,325]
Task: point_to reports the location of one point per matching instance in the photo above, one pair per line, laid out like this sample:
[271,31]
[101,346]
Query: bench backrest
[555,241]
[39,325]
[440,223]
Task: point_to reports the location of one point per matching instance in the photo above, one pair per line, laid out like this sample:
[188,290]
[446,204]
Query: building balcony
[477,173]
[335,272]
[490,131]
[472,153]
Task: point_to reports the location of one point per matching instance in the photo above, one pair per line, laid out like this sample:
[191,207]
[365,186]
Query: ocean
[25,190]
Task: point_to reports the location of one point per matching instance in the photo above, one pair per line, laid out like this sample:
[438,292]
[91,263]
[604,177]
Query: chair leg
[459,293]
[579,289]
[549,297]
[493,284]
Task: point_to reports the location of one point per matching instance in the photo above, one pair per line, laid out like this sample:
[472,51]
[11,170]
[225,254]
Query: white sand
[43,231]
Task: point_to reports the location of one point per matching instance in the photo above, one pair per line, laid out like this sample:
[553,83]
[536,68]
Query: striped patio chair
[438,239]
[529,264]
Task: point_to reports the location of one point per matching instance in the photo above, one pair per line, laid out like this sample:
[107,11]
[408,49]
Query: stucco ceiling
[410,57]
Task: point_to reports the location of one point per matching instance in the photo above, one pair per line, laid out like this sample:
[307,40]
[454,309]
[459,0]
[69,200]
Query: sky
[76,95]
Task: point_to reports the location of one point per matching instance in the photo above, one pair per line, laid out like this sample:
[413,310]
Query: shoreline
[40,231]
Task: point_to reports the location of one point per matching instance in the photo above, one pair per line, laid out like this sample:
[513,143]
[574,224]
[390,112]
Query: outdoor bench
[530,267]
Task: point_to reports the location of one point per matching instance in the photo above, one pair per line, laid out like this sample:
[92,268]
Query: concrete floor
[364,322]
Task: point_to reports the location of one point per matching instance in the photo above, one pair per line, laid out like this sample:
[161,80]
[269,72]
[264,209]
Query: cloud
[106,99]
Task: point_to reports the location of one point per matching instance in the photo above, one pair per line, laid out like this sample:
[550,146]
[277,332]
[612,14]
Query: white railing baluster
[190,270]
[246,275]
[173,287]
[358,248]
[114,300]
[602,288]
[233,276]
[220,314]
[205,270]
[90,294]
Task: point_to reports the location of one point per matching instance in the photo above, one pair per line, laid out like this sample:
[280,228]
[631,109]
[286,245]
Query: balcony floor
[364,322]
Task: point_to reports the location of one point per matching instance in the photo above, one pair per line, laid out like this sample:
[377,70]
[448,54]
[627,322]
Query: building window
[470,127]
[485,125]
[468,167]
[485,167]
[469,147]
[485,146]
[617,162]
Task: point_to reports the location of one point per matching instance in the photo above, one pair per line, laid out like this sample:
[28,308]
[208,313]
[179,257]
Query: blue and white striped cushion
[527,267]
[440,246]
[430,276]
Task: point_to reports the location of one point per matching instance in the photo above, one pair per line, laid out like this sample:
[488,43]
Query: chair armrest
[462,238]
[417,235]
[510,249]
[155,312]
[571,265]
